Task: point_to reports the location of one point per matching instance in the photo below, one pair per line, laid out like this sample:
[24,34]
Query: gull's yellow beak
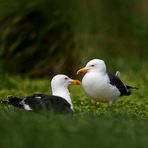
[75,82]
[82,70]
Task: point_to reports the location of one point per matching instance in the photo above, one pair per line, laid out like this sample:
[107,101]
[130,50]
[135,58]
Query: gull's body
[59,101]
[100,85]
[97,85]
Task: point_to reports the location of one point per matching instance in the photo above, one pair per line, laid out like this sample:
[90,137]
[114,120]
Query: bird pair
[97,83]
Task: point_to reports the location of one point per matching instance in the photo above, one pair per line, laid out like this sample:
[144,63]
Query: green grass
[125,125]
[25,129]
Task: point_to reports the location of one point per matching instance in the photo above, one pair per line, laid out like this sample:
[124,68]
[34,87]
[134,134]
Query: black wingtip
[4,102]
[130,87]
[12,100]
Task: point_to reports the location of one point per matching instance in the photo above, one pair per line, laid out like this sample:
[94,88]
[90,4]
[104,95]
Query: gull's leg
[110,105]
[94,105]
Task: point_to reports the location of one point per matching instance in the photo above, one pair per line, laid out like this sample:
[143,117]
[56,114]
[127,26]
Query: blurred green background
[45,37]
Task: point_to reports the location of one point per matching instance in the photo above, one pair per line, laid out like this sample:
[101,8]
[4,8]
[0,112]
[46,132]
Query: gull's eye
[92,65]
[66,78]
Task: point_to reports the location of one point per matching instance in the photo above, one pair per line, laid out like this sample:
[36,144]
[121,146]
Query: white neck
[64,93]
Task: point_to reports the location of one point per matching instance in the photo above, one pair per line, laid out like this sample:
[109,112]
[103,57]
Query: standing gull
[59,101]
[100,85]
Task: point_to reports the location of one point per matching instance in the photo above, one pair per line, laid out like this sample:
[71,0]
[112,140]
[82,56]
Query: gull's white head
[95,65]
[62,81]
[59,85]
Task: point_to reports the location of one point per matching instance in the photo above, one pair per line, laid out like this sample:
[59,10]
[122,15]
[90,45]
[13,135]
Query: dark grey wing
[35,102]
[45,102]
[114,80]
[59,104]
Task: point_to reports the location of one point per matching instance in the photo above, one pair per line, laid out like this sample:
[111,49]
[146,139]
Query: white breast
[97,85]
